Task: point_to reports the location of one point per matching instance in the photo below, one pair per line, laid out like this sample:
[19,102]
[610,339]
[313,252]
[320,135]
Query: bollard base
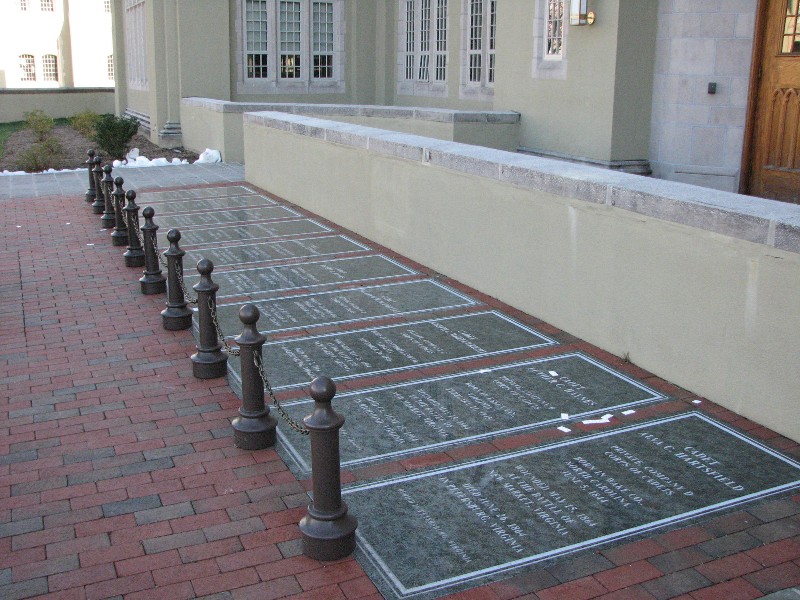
[90,196]
[175,319]
[328,540]
[254,433]
[106,221]
[119,239]
[98,207]
[134,259]
[153,284]
[209,365]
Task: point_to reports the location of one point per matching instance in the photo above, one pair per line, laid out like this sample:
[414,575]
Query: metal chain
[220,336]
[291,422]
[161,259]
[138,232]
[186,295]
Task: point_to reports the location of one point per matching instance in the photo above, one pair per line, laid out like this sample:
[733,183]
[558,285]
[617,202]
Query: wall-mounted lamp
[579,13]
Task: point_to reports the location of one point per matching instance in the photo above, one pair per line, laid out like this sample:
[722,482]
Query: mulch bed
[75,147]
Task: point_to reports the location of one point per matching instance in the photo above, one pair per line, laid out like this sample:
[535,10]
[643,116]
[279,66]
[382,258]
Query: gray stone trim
[440,115]
[768,222]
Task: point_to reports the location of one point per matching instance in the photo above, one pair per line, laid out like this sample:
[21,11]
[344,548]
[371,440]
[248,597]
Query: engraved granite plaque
[223,217]
[210,192]
[204,204]
[390,348]
[243,232]
[266,280]
[243,254]
[345,306]
[392,422]
[427,534]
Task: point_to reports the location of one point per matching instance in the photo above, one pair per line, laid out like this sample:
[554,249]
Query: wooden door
[776,141]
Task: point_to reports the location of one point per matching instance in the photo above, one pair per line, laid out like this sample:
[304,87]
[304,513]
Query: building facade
[56,44]
[661,86]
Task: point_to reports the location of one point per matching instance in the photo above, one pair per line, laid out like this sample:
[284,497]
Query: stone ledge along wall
[698,286]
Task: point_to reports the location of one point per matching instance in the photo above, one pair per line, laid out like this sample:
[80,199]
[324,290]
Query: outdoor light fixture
[578,14]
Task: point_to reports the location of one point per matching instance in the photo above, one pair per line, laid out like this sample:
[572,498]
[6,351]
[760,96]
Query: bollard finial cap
[148,211]
[322,389]
[119,181]
[131,195]
[90,152]
[173,235]
[205,267]
[107,169]
[97,160]
[249,314]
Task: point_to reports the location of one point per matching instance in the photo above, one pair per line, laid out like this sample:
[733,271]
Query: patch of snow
[209,156]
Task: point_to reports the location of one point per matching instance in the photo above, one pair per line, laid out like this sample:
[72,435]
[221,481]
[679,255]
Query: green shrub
[84,122]
[40,123]
[114,134]
[40,156]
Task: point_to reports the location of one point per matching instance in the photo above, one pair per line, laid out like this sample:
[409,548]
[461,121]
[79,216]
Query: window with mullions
[47,6]
[423,45]
[111,67]
[290,42]
[791,28]
[107,5]
[27,68]
[554,30]
[478,50]
[49,67]
[23,4]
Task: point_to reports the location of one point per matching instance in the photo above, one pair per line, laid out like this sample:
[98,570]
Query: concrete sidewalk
[119,478]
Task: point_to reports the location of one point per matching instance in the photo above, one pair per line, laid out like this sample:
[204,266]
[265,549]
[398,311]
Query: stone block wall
[697,137]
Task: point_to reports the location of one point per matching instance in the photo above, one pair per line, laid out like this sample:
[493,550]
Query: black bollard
[209,361]
[91,194]
[176,316]
[254,428]
[119,237]
[134,255]
[99,201]
[329,533]
[107,183]
[153,281]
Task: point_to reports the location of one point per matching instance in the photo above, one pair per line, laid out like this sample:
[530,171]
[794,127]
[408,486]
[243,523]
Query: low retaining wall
[698,286]
[56,103]
[217,124]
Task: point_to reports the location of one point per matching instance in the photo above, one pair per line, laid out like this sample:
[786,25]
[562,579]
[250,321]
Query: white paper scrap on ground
[564,429]
[553,374]
[603,419]
[696,401]
[565,416]
[628,412]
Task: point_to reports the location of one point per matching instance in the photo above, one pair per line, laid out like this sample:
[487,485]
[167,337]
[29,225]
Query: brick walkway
[119,478]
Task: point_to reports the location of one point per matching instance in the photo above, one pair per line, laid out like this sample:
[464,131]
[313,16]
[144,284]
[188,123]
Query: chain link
[138,232]
[220,336]
[291,422]
[161,259]
[186,295]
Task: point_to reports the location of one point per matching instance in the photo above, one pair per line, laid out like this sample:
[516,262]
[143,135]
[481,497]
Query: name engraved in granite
[394,348]
[240,215]
[212,192]
[276,251]
[463,525]
[203,204]
[345,306]
[391,422]
[265,280]
[243,232]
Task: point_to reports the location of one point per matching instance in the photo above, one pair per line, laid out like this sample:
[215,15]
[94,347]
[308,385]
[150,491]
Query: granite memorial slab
[243,254]
[429,534]
[223,217]
[210,192]
[390,348]
[244,232]
[345,306]
[261,281]
[392,422]
[206,204]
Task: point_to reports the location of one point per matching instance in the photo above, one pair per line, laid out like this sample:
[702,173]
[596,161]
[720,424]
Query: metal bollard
[107,183]
[176,316]
[91,194]
[153,281]
[134,255]
[254,428]
[97,173]
[120,235]
[209,361]
[329,533]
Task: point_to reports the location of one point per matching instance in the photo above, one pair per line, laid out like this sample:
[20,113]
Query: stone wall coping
[757,220]
[61,90]
[441,115]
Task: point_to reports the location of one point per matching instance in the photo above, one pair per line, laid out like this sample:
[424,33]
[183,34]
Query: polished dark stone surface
[246,231]
[224,217]
[214,192]
[216,204]
[458,526]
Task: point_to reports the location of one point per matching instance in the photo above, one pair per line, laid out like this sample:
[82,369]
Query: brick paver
[119,477]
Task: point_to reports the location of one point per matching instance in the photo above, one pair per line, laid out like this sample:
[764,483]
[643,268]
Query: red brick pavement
[118,474]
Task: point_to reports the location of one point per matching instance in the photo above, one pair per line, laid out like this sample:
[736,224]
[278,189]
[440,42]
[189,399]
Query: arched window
[50,67]
[27,68]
